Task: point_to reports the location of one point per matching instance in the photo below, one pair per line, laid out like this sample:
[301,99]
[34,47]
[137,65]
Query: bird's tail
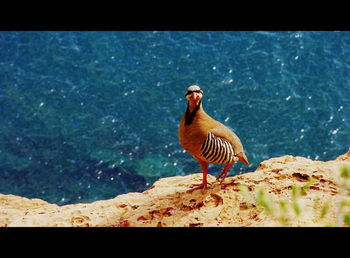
[243,158]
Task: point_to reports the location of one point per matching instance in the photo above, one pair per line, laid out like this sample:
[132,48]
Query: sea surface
[88,115]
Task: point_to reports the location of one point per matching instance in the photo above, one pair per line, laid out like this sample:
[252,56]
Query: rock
[168,204]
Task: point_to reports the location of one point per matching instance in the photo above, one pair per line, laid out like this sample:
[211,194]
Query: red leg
[224,172]
[204,183]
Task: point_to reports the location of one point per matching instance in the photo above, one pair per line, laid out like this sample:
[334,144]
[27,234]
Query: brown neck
[191,111]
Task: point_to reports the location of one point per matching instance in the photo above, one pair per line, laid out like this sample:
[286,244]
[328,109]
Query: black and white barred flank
[216,150]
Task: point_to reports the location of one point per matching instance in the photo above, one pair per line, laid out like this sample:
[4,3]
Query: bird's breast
[191,137]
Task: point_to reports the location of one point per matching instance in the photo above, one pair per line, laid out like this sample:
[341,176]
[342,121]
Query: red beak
[194,96]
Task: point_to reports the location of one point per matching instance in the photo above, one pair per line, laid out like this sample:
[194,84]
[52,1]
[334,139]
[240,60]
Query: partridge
[206,139]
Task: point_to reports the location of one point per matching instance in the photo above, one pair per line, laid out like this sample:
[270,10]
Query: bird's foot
[202,186]
[221,177]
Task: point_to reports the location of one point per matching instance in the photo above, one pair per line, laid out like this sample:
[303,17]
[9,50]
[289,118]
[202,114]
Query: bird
[206,139]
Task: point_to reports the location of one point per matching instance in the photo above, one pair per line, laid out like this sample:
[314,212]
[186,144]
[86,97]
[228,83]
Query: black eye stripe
[191,91]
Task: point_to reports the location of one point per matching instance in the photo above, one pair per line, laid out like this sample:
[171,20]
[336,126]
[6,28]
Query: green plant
[264,200]
[345,172]
[245,192]
[343,196]
[285,212]
[347,219]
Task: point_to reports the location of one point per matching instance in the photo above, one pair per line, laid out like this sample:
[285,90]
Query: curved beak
[195,96]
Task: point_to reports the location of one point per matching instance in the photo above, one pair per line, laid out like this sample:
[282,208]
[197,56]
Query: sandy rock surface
[168,203]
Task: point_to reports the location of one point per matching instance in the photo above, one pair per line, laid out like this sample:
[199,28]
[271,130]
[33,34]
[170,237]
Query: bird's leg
[204,183]
[224,172]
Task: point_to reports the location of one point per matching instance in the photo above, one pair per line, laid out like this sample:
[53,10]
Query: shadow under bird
[206,139]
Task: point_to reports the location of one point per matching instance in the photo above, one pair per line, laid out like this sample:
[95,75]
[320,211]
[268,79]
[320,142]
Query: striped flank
[216,150]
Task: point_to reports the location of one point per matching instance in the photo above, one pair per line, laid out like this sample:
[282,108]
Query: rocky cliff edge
[168,203]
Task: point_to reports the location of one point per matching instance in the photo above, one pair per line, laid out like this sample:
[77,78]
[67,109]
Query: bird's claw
[221,177]
[202,186]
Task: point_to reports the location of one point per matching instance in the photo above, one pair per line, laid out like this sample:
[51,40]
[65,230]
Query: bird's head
[194,95]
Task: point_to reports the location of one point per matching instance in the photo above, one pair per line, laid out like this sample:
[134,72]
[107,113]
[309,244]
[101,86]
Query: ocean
[88,115]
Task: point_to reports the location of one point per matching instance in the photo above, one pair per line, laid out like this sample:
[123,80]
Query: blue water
[89,115]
